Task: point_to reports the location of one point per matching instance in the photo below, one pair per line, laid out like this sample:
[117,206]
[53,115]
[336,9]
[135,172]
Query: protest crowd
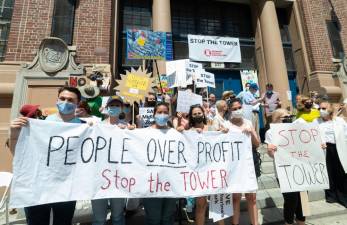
[234,112]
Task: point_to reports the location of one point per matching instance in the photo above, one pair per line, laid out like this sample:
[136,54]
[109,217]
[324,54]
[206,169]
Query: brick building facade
[316,30]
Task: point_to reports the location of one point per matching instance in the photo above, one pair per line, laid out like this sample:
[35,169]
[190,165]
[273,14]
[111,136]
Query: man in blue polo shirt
[68,99]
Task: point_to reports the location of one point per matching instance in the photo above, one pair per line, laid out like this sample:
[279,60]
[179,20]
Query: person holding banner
[334,132]
[292,200]
[160,211]
[116,116]
[198,122]
[237,122]
[68,99]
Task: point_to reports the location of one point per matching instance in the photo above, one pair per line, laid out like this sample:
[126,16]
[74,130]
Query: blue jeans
[100,207]
[159,211]
[40,214]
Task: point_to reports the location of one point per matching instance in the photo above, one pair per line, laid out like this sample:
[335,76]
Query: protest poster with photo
[185,99]
[299,159]
[146,116]
[57,162]
[214,49]
[249,76]
[144,44]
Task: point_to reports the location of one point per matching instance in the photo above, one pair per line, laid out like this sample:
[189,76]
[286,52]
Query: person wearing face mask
[151,100]
[334,134]
[160,211]
[198,122]
[116,116]
[68,99]
[271,103]
[307,112]
[238,123]
[292,201]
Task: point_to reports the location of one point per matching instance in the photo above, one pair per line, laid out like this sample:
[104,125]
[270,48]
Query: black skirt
[337,177]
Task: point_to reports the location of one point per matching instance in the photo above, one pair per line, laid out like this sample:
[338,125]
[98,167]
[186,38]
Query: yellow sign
[135,85]
[137,82]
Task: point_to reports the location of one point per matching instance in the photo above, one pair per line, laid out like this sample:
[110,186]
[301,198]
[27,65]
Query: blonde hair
[300,103]
[220,104]
[277,114]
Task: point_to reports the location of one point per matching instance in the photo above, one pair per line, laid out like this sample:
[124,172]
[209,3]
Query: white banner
[220,207]
[214,49]
[185,99]
[300,161]
[146,116]
[57,162]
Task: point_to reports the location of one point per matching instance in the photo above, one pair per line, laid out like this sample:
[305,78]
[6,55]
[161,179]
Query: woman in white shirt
[334,132]
[292,201]
[237,122]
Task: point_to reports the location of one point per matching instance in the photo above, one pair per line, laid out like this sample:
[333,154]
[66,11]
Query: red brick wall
[32,19]
[314,15]
[31,22]
[93,30]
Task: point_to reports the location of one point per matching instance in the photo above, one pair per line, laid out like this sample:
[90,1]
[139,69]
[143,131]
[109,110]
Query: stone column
[161,15]
[273,50]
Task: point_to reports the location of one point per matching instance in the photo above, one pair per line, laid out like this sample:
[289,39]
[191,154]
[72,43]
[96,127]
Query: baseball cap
[114,98]
[28,110]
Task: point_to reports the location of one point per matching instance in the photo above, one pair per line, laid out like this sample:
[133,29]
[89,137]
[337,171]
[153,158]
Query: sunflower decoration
[135,85]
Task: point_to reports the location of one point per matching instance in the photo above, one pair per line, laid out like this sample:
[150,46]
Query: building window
[335,39]
[6,8]
[134,14]
[63,20]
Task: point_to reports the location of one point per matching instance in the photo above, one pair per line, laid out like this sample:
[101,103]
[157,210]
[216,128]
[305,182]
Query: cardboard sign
[135,85]
[300,161]
[57,162]
[146,116]
[185,99]
[214,49]
[77,81]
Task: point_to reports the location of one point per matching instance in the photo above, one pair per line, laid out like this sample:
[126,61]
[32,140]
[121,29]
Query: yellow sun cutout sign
[135,85]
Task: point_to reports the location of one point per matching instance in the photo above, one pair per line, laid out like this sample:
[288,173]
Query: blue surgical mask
[114,111]
[161,119]
[66,107]
[126,110]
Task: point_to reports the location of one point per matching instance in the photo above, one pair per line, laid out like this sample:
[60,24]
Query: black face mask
[121,116]
[151,103]
[41,117]
[197,119]
[308,105]
[287,120]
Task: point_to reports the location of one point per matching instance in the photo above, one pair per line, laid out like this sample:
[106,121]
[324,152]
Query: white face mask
[324,113]
[237,114]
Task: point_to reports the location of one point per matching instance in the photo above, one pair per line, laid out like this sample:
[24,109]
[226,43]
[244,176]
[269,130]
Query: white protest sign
[146,115]
[300,161]
[214,49]
[205,79]
[182,72]
[220,207]
[56,162]
[193,71]
[185,99]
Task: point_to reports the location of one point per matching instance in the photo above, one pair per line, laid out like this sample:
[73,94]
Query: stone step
[267,181]
[267,168]
[268,198]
